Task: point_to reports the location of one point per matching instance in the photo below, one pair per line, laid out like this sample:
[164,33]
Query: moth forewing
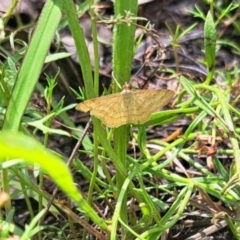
[127,107]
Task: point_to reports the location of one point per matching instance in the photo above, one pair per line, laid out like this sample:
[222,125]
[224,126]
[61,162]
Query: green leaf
[32,64]
[210,37]
[16,145]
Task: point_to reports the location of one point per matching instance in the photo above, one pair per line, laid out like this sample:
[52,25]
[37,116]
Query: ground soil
[145,74]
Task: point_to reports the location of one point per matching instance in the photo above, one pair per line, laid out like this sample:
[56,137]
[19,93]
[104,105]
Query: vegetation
[143,196]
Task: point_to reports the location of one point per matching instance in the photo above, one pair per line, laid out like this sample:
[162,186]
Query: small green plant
[129,196]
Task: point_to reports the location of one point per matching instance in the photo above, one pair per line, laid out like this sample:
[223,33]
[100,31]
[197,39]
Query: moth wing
[94,103]
[145,102]
[113,114]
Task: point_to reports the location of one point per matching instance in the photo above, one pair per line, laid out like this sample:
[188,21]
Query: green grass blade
[83,55]
[201,102]
[210,37]
[210,41]
[15,145]
[32,64]
[123,50]
[123,40]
